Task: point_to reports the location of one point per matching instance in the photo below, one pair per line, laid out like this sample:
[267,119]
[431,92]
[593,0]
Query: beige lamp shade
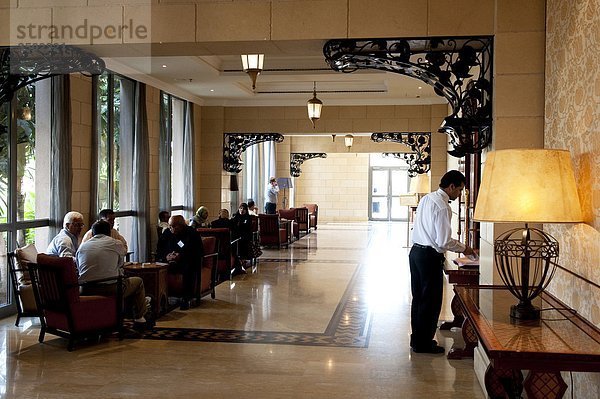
[535,186]
[420,184]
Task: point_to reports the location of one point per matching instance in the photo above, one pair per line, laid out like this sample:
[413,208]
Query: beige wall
[573,122]
[81,144]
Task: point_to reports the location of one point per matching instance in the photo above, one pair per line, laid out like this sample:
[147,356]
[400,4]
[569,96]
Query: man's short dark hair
[101,227]
[105,213]
[250,203]
[163,216]
[452,177]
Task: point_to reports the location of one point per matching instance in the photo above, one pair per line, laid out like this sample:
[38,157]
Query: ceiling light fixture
[252,64]
[348,141]
[314,106]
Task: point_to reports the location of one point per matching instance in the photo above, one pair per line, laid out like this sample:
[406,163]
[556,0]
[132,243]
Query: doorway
[386,184]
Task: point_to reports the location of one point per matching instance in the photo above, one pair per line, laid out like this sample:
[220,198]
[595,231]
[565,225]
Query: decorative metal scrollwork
[419,161]
[25,64]
[458,69]
[298,158]
[234,144]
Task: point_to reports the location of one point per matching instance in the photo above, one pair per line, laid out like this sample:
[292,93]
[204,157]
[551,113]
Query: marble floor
[326,318]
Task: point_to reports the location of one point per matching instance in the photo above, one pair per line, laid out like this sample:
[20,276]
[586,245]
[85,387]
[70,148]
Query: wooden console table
[461,274]
[154,276]
[561,341]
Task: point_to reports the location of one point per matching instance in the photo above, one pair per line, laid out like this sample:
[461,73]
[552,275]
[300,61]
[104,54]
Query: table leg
[470,337]
[545,385]
[503,383]
[458,316]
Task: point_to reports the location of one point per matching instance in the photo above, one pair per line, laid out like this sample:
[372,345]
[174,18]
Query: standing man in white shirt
[432,237]
[271,197]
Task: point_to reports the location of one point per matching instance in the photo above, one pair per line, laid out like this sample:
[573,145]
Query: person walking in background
[432,237]
[271,197]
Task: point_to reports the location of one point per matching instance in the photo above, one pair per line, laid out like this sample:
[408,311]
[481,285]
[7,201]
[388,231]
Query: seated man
[66,241]
[107,215]
[102,257]
[252,209]
[222,221]
[181,247]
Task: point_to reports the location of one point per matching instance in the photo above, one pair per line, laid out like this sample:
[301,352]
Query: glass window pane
[399,211]
[4,279]
[102,122]
[4,162]
[33,151]
[379,208]
[116,152]
[177,172]
[399,182]
[380,182]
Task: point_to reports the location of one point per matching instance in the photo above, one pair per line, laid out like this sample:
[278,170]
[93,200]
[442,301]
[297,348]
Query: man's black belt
[422,246]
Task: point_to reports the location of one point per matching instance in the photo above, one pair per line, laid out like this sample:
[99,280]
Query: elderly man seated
[181,247]
[66,241]
[102,257]
[107,215]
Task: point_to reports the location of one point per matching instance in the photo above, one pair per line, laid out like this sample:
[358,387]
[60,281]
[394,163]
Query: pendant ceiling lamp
[252,64]
[314,106]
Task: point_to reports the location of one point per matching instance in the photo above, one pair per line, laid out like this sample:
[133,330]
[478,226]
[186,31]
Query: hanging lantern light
[314,106]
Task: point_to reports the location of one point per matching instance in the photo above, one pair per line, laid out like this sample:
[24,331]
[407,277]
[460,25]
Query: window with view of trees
[114,147]
[172,166]
[25,183]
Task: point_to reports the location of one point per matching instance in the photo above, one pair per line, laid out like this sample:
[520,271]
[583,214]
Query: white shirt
[100,257]
[64,244]
[432,223]
[113,233]
[271,193]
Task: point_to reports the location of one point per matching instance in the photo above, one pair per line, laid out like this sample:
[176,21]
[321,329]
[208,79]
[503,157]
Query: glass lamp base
[524,312]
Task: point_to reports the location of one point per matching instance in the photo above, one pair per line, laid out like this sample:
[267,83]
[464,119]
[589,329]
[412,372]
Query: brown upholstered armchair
[62,311]
[313,215]
[21,282]
[206,275]
[226,249]
[272,233]
[290,214]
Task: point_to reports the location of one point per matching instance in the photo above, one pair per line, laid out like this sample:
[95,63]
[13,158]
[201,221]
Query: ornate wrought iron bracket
[419,161]
[459,69]
[25,64]
[234,144]
[298,158]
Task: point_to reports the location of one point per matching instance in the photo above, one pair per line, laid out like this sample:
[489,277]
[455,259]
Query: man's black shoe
[435,349]
[238,270]
[185,305]
[139,326]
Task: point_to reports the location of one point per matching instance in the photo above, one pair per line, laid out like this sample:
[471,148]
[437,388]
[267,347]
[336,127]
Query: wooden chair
[313,215]
[227,249]
[302,220]
[63,311]
[21,282]
[272,233]
[290,214]
[206,274]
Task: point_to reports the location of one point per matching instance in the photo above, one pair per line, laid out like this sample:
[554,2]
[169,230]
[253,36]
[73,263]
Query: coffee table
[154,276]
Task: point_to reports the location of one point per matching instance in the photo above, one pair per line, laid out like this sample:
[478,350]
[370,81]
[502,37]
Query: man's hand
[173,257]
[468,251]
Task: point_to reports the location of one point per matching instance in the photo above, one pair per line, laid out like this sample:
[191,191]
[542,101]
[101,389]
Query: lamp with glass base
[527,186]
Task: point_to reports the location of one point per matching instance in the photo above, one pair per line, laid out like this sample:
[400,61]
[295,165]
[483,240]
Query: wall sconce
[528,186]
[314,106]
[333,138]
[252,64]
[348,141]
